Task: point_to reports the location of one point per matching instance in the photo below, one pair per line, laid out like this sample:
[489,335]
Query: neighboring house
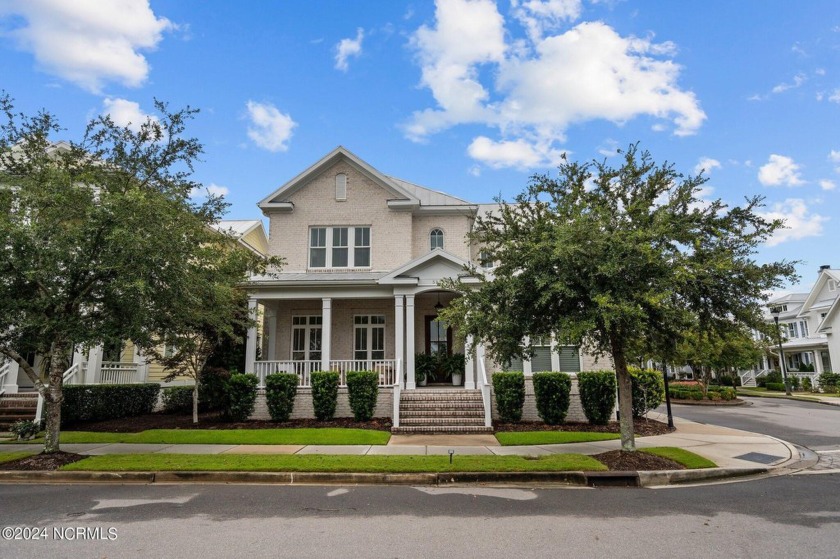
[805,324]
[364,254]
[119,362]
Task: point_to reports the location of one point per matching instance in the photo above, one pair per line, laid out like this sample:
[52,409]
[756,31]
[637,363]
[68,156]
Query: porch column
[527,369]
[817,362]
[94,365]
[469,365]
[399,337]
[326,332]
[251,342]
[142,366]
[409,342]
[11,383]
[271,319]
[555,354]
[480,353]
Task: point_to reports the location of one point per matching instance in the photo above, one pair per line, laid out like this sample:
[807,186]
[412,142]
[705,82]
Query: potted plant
[423,368]
[455,367]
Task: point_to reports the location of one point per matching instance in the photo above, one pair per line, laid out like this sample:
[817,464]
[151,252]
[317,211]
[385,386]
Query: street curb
[795,399]
[76,477]
[663,478]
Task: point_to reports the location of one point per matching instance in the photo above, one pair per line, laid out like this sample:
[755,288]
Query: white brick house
[364,254]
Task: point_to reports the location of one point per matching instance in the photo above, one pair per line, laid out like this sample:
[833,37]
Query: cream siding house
[364,254]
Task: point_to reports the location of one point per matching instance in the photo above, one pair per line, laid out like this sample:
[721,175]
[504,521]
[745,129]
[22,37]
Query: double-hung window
[306,338]
[330,247]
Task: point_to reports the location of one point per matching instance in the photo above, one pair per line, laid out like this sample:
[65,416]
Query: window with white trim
[306,338]
[803,327]
[369,337]
[340,187]
[329,247]
[832,285]
[436,238]
[792,330]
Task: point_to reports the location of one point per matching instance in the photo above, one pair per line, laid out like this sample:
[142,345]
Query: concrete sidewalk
[728,448]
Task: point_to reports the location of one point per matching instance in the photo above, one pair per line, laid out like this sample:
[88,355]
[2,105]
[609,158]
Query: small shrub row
[776,386]
[597,395]
[509,390]
[714,393]
[552,393]
[108,401]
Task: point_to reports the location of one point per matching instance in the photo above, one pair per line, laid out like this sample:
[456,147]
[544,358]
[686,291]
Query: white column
[11,383]
[251,342]
[555,355]
[94,365]
[326,332]
[399,337]
[271,350]
[527,368]
[817,362]
[409,342]
[142,366]
[480,353]
[469,365]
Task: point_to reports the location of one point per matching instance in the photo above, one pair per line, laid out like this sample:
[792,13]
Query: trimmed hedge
[240,396]
[597,395]
[648,390]
[551,391]
[177,399]
[362,389]
[776,386]
[509,388]
[714,393]
[324,394]
[280,392]
[98,402]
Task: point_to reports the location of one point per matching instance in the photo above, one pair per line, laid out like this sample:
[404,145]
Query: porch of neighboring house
[805,358]
[380,330]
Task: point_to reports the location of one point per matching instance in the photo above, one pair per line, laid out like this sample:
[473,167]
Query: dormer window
[832,285]
[436,239]
[340,187]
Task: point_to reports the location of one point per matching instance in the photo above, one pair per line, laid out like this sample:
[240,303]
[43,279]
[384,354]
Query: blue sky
[468,97]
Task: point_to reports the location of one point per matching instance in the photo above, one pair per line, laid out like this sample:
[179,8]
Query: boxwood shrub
[177,399]
[240,396]
[551,391]
[509,390]
[724,393]
[776,386]
[324,394]
[280,392]
[597,395]
[362,389]
[98,402]
[648,390]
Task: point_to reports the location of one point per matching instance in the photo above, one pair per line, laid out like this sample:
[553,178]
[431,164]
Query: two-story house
[364,254]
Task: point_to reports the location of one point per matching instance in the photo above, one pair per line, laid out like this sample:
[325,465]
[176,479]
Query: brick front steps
[436,410]
[14,407]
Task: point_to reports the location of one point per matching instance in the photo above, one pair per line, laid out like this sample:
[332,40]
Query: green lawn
[686,458]
[9,456]
[332,463]
[514,438]
[232,436]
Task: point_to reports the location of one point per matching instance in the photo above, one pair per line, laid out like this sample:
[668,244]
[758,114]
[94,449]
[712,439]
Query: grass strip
[764,393]
[332,436]
[515,438]
[681,456]
[334,463]
[9,456]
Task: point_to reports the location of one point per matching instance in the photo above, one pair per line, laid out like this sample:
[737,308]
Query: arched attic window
[436,239]
[341,187]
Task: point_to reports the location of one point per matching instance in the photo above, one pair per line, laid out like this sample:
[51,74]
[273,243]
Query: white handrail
[70,374]
[5,367]
[485,395]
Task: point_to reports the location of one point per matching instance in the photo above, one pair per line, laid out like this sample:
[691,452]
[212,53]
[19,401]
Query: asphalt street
[816,426]
[777,517]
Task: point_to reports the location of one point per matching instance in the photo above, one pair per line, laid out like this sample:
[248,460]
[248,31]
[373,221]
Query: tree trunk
[195,402]
[54,396]
[625,395]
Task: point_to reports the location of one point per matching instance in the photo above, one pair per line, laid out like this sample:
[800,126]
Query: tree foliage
[99,239]
[615,258]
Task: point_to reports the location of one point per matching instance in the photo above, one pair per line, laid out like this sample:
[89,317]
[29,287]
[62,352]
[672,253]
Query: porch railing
[388,370]
[119,373]
[71,375]
[5,367]
[485,392]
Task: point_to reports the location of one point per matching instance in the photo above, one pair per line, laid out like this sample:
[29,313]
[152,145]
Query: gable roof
[825,324]
[240,228]
[409,273]
[811,301]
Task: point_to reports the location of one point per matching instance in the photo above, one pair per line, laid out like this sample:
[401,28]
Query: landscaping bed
[643,427]
[213,420]
[622,461]
[41,462]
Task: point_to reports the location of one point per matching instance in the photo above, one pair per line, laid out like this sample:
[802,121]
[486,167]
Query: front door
[439,343]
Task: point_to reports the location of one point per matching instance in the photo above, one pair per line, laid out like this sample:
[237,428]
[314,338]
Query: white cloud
[270,129]
[347,48]
[834,156]
[519,154]
[799,222]
[609,148]
[89,42]
[826,184]
[707,165]
[539,16]
[535,88]
[125,113]
[798,80]
[780,170]
[835,96]
[211,189]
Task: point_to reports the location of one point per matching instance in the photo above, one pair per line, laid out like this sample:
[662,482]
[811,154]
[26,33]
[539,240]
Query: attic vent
[341,187]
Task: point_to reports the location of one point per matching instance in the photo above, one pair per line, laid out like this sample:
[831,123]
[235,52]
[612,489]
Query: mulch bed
[623,461]
[38,462]
[212,420]
[643,427]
